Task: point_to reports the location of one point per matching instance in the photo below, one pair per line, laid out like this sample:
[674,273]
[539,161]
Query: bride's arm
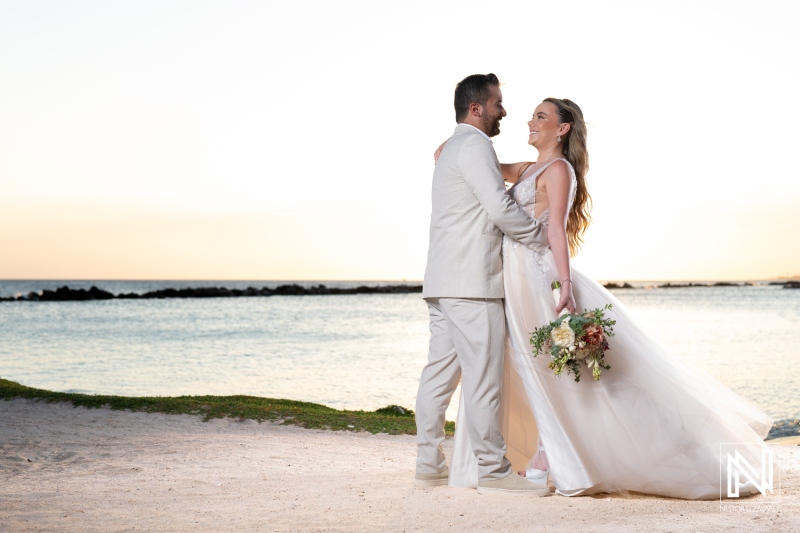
[511,171]
[438,151]
[557,184]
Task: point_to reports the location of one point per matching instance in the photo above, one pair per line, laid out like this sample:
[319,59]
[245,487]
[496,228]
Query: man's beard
[491,124]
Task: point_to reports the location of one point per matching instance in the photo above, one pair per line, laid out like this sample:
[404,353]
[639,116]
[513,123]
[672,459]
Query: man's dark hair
[471,89]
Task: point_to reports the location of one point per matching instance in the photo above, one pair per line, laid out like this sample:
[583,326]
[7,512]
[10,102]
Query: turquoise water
[351,351]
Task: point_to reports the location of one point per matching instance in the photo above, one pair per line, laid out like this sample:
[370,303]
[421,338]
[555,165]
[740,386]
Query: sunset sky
[294,140]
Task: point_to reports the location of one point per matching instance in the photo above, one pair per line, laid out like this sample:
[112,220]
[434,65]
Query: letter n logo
[741,471]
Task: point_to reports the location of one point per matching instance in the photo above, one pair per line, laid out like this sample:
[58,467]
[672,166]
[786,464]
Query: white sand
[73,469]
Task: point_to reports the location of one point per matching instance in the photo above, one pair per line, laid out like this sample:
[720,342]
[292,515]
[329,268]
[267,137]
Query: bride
[650,424]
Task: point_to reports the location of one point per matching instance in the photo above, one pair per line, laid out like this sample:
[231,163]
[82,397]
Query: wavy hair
[574,149]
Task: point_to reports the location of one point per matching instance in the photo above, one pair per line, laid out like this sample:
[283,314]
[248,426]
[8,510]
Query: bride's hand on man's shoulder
[438,152]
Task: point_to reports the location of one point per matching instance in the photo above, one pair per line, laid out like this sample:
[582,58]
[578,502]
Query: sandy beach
[74,469]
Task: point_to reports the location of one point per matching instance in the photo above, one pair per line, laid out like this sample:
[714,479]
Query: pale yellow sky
[171,140]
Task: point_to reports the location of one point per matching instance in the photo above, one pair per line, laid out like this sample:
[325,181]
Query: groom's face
[493,111]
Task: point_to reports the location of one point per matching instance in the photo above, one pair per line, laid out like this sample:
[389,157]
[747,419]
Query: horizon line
[403,280]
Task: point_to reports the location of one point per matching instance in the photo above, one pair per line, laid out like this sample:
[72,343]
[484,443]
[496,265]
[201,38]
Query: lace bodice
[524,192]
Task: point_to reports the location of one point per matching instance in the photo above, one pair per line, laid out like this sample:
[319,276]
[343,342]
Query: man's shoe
[513,484]
[432,480]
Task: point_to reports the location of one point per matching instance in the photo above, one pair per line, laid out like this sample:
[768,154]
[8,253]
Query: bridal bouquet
[574,338]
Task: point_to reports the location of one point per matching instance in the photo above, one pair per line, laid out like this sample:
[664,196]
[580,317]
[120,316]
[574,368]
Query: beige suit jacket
[471,211]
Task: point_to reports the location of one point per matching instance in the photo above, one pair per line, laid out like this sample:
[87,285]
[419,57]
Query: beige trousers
[467,342]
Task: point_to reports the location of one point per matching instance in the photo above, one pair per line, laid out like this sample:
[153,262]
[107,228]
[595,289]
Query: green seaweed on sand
[394,420]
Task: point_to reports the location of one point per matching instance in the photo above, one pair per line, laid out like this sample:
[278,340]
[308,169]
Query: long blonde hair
[574,149]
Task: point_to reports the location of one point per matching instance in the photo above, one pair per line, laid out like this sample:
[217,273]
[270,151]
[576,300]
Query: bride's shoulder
[558,171]
[562,164]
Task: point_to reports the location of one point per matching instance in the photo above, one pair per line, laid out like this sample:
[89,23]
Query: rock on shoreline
[784,428]
[65,294]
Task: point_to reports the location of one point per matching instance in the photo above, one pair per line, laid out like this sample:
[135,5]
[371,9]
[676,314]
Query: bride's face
[543,126]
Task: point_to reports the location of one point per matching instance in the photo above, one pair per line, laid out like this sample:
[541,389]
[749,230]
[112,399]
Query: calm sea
[350,351]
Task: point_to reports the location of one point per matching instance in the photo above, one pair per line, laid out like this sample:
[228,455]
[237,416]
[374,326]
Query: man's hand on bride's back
[438,152]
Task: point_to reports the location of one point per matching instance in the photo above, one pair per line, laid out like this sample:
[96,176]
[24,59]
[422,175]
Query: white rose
[563,336]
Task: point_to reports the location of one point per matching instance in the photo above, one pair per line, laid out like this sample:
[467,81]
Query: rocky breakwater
[612,285]
[64,294]
[670,285]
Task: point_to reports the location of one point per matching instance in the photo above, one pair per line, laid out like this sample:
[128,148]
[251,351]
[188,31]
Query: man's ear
[475,109]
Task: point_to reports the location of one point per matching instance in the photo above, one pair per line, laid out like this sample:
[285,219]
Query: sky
[294,140]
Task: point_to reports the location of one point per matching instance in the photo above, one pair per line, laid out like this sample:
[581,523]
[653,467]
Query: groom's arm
[481,172]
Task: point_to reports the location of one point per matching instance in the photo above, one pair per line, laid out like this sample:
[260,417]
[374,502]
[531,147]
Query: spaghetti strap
[537,172]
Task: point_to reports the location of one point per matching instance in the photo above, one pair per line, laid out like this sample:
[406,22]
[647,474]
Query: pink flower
[593,335]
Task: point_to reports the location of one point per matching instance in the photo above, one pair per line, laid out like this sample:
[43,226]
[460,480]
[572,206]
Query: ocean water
[350,351]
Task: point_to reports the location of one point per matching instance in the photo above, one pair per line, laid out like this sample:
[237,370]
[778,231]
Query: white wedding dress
[651,424]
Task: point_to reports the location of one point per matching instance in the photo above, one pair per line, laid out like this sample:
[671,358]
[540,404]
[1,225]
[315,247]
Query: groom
[463,288]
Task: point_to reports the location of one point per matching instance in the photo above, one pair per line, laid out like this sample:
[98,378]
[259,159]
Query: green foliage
[393,419]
